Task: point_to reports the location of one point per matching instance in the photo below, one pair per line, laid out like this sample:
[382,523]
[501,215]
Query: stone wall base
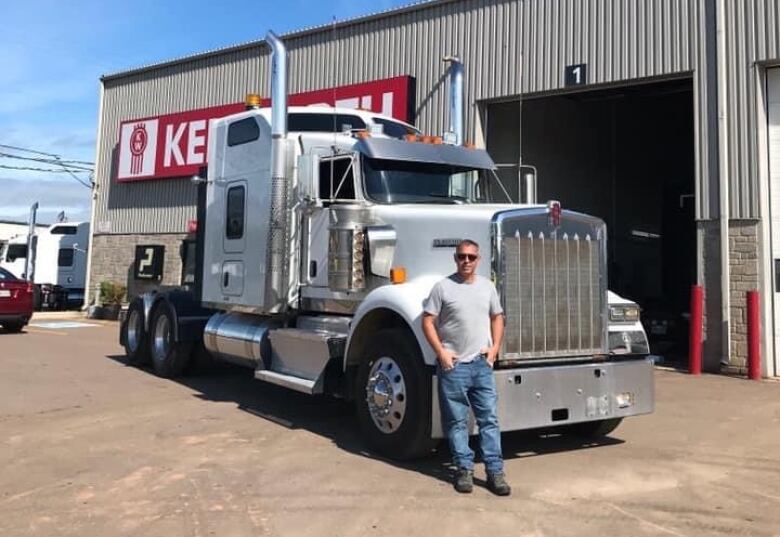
[744,256]
[113,257]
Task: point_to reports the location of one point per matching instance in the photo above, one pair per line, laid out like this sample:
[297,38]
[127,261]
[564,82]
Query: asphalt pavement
[92,447]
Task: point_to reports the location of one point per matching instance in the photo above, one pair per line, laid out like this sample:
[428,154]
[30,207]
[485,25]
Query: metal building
[660,116]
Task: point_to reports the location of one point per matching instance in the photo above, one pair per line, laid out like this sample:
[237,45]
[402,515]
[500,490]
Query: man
[463,321]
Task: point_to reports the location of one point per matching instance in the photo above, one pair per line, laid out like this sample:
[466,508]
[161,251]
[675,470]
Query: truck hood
[427,234]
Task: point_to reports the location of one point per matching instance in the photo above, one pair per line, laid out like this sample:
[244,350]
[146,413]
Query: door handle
[225,279]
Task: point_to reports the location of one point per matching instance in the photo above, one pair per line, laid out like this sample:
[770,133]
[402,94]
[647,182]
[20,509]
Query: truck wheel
[393,397]
[134,335]
[594,429]
[169,357]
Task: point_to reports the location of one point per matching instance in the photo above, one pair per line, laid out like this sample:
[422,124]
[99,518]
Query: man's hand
[490,354]
[446,359]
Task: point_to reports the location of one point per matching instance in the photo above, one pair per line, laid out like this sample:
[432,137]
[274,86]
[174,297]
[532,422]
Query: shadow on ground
[334,419]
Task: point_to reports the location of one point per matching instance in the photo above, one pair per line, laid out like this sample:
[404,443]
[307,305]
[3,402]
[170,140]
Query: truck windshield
[15,251]
[393,181]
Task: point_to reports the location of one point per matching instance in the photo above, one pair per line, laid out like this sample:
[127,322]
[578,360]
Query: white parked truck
[317,250]
[57,264]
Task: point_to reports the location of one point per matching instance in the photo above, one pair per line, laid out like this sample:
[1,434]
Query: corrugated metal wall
[162,206]
[752,35]
[508,47]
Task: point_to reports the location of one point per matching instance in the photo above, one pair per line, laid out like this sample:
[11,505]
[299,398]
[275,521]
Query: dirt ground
[92,447]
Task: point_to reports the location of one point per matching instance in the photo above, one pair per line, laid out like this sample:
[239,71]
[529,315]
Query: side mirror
[308,177]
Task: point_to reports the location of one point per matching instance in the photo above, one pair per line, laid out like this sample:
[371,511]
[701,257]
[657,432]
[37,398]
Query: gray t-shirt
[463,312]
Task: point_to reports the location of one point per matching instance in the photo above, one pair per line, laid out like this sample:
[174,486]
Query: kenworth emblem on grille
[138,141]
[446,243]
[555,213]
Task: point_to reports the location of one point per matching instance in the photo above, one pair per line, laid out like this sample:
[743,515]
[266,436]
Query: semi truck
[316,249]
[55,260]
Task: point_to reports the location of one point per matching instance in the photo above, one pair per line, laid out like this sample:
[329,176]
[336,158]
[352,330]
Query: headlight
[624,313]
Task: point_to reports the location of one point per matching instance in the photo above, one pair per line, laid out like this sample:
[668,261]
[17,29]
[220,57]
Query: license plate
[5,293]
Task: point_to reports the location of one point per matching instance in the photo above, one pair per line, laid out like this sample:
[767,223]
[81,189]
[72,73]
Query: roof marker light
[253,100]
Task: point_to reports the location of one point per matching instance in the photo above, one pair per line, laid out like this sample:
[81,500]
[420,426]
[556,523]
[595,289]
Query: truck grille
[553,297]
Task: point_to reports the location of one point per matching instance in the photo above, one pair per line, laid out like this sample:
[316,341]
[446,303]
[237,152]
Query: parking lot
[92,447]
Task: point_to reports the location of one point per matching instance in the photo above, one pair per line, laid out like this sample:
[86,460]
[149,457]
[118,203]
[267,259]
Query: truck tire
[14,327]
[134,335]
[169,357]
[393,397]
[594,429]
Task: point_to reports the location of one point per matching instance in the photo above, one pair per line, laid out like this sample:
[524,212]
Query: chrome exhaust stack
[456,97]
[276,281]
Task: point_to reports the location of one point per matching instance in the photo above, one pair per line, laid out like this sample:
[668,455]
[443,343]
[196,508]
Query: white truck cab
[58,264]
[319,249]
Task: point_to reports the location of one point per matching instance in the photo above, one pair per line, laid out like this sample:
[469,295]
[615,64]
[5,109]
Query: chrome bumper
[529,398]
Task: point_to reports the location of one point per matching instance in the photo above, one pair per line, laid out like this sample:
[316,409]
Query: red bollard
[754,335]
[697,321]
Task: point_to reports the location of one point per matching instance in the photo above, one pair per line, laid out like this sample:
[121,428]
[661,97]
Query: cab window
[234,221]
[65,257]
[337,179]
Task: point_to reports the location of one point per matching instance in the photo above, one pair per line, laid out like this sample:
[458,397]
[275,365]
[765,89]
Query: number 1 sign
[576,75]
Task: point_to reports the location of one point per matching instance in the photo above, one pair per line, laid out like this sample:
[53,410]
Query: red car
[16,301]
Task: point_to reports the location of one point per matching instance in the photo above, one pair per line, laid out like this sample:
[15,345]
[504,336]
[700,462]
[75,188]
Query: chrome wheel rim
[162,338]
[386,395]
[134,330]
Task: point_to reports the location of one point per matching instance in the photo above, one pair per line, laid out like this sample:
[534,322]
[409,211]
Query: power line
[28,150]
[57,160]
[32,169]
[48,170]
[59,157]
[47,161]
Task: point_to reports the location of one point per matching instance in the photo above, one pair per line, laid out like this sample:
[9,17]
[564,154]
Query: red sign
[174,145]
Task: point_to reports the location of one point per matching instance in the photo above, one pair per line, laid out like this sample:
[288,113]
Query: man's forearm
[430,334]
[497,331]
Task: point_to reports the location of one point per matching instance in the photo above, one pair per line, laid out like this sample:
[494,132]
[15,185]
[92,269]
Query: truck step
[288,381]
[300,356]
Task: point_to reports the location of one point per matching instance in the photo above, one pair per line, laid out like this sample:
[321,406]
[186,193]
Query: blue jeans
[471,384]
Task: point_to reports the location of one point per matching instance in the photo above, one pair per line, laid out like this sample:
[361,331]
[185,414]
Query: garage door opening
[625,155]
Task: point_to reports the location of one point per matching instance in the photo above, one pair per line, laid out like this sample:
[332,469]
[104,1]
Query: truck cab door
[234,238]
[237,205]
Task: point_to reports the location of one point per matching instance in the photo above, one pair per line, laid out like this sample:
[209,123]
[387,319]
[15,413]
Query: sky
[52,54]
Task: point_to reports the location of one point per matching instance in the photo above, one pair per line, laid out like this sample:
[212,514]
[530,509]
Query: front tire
[135,336]
[169,357]
[393,397]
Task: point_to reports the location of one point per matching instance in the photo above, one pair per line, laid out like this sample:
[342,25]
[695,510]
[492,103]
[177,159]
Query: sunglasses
[464,257]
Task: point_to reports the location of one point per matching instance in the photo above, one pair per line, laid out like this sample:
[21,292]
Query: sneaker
[496,483]
[464,480]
